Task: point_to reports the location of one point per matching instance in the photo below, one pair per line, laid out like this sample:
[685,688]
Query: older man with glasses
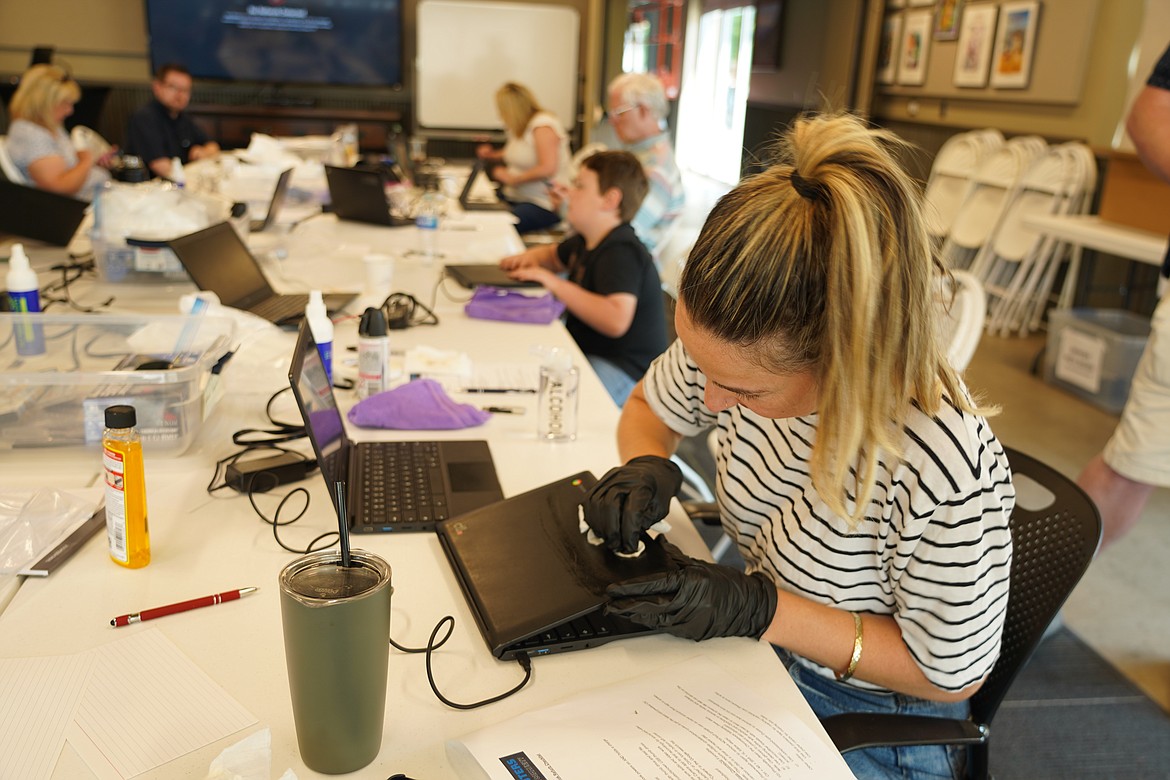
[637,112]
[162,130]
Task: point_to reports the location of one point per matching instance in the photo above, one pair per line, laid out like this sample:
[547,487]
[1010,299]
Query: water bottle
[24,297]
[322,329]
[126,528]
[557,401]
[426,221]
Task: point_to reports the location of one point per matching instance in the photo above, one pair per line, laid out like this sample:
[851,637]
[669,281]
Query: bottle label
[371,368]
[427,221]
[115,466]
[30,338]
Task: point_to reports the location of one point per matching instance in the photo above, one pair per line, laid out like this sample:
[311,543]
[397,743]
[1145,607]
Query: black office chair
[1053,544]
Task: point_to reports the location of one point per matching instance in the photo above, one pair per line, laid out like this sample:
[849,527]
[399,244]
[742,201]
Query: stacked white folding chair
[950,177]
[7,166]
[1019,263]
[992,185]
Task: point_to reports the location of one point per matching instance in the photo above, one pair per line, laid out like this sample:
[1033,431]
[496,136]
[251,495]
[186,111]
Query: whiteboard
[467,49]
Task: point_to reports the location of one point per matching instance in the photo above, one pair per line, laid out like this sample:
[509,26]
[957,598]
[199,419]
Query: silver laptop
[274,205]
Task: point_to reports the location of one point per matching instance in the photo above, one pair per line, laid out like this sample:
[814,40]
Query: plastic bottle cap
[558,360]
[373,323]
[121,416]
[316,307]
[18,260]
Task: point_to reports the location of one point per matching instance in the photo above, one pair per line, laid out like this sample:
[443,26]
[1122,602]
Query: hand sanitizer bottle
[24,297]
[322,329]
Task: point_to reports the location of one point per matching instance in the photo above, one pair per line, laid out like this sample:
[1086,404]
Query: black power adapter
[262,474]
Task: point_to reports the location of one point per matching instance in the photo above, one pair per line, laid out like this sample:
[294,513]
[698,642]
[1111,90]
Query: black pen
[498,390]
[504,409]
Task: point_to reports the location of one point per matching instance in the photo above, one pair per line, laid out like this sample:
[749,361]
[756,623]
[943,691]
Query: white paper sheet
[146,704]
[39,699]
[689,720]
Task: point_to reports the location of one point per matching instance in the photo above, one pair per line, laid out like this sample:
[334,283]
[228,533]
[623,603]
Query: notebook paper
[146,704]
[40,699]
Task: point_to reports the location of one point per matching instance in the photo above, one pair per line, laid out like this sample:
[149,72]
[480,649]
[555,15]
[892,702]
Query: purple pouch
[498,303]
[421,405]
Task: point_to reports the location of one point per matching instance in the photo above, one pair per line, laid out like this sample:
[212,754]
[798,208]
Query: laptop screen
[219,261]
[319,410]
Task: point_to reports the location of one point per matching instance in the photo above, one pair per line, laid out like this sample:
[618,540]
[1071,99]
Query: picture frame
[887,65]
[976,37]
[946,20]
[768,34]
[914,51]
[1015,44]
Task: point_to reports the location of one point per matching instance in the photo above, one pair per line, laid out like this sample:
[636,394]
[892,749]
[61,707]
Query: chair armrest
[855,730]
[705,511]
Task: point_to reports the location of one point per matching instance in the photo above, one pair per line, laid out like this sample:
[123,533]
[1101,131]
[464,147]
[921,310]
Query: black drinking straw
[342,524]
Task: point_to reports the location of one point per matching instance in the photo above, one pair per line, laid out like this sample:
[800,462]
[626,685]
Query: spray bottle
[24,296]
[322,329]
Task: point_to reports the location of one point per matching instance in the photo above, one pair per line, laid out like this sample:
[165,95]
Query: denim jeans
[829,697]
[617,382]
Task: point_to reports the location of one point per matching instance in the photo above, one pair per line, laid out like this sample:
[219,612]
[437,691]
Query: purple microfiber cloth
[421,405]
[498,303]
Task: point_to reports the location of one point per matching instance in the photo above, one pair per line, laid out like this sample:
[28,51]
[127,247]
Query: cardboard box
[1132,196]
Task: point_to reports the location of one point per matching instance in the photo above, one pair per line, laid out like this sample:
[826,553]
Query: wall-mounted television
[335,42]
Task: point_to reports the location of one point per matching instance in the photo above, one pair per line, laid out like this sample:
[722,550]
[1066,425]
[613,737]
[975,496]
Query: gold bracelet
[856,657]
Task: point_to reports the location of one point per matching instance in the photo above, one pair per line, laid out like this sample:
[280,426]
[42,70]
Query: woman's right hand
[485,152]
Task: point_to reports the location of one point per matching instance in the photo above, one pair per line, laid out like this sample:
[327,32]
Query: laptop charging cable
[524,660]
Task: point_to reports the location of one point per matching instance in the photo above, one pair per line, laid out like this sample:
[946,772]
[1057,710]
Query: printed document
[689,721]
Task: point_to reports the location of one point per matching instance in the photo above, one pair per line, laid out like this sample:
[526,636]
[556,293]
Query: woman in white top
[37,141]
[535,157]
[862,484]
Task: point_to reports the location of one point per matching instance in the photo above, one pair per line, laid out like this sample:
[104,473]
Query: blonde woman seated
[535,156]
[37,142]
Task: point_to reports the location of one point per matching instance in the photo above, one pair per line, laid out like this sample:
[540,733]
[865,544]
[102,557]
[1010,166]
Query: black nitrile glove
[631,498]
[698,600]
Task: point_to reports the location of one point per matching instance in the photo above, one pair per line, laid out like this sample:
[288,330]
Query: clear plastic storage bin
[162,365]
[1092,353]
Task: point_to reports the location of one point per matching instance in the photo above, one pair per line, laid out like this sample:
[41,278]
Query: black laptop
[390,485]
[532,581]
[481,198]
[219,261]
[274,205]
[34,213]
[471,275]
[359,195]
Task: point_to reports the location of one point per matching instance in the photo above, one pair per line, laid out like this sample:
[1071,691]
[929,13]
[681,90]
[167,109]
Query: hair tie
[809,190]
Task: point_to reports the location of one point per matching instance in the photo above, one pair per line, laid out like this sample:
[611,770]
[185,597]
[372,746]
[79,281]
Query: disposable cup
[379,274]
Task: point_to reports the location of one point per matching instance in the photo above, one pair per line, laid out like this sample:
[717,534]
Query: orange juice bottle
[126,526]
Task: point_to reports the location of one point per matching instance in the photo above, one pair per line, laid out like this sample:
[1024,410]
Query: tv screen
[344,42]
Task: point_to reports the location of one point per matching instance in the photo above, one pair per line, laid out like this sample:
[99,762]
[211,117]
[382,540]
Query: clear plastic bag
[32,522]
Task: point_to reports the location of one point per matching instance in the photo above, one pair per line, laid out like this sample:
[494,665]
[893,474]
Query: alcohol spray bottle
[24,297]
[322,329]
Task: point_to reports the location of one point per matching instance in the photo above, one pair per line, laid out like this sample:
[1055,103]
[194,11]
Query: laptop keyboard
[401,482]
[280,307]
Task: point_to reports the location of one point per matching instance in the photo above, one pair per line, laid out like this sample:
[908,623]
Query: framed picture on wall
[887,67]
[976,35]
[946,20]
[1015,43]
[915,49]
[769,30]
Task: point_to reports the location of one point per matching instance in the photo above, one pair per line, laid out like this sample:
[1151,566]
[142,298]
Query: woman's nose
[717,399]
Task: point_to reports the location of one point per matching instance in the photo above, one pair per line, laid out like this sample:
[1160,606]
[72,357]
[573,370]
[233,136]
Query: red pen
[182,606]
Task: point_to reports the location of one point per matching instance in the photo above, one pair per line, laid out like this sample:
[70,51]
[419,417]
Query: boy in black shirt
[610,286]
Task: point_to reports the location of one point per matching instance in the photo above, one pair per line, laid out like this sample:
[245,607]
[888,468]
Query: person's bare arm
[543,256]
[1147,125]
[161,167]
[204,151]
[640,432]
[52,173]
[547,159]
[610,315]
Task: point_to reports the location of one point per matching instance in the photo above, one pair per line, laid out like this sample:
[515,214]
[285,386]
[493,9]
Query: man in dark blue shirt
[162,130]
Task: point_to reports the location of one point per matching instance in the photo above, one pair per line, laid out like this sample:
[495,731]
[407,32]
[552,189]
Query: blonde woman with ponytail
[860,481]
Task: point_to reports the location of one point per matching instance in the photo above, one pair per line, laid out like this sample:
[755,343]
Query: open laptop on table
[478,194]
[390,485]
[274,205]
[219,261]
[532,581]
[472,275]
[30,212]
[359,195]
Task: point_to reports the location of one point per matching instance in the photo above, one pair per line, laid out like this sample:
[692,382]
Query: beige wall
[1092,118]
[100,40]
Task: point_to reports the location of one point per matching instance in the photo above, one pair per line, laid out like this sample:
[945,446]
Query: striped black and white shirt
[934,549]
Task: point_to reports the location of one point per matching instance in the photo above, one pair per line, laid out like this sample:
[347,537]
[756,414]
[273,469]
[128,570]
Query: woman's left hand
[697,600]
